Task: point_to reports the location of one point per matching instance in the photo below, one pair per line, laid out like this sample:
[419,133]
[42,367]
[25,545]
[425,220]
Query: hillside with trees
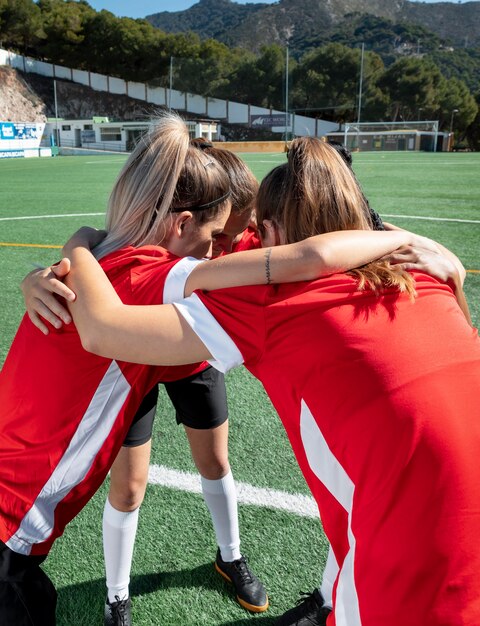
[249,25]
[408,74]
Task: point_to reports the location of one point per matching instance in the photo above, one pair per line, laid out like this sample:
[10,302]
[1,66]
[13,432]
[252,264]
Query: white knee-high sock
[119,531]
[221,498]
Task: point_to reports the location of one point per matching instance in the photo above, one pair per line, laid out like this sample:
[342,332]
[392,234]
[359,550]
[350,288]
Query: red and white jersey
[65,412]
[380,400]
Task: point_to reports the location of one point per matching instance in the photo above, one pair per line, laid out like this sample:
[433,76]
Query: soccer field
[173,580]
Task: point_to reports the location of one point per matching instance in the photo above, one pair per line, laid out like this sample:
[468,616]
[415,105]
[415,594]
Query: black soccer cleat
[118,613]
[308,612]
[251,593]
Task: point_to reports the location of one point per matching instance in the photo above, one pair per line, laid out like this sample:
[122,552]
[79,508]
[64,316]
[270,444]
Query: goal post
[420,135]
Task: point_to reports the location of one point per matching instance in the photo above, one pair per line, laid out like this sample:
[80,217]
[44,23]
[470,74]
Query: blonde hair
[162,174]
[315,192]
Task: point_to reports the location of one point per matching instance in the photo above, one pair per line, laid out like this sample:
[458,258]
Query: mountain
[300,21]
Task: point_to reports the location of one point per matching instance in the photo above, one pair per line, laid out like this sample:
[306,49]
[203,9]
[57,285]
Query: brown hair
[315,192]
[163,173]
[243,184]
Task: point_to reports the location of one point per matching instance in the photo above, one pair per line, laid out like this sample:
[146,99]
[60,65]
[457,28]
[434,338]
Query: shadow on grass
[80,601]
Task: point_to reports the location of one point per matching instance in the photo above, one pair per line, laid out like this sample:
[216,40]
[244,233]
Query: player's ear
[181,222]
[271,233]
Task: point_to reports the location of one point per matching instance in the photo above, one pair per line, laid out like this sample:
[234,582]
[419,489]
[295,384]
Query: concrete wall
[98,82]
[82,77]
[62,72]
[251,146]
[217,108]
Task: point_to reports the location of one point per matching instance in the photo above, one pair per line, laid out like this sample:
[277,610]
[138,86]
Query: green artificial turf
[173,580]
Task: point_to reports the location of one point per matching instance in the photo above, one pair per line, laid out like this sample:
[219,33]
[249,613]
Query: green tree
[412,85]
[21,24]
[206,72]
[463,64]
[260,80]
[473,131]
[63,23]
[326,81]
[457,107]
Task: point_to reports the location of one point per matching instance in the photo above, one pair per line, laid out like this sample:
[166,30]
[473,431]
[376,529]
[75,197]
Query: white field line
[297,504]
[102,162]
[411,217]
[41,217]
[432,219]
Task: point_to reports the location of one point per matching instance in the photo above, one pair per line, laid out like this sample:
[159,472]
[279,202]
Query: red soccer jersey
[65,412]
[380,400]
[249,241]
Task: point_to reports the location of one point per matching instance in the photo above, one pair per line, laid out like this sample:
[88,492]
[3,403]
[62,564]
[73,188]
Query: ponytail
[315,192]
[163,173]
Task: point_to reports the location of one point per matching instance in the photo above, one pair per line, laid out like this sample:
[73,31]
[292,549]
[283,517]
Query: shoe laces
[307,598]
[118,610]
[243,570]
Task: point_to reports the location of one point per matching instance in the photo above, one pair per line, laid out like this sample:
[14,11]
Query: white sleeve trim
[225,353]
[174,288]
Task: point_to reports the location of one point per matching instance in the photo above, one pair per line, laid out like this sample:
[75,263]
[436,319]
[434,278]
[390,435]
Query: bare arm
[445,251]
[442,264]
[139,334]
[305,260]
[109,328]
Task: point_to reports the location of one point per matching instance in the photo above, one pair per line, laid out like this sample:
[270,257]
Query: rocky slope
[18,101]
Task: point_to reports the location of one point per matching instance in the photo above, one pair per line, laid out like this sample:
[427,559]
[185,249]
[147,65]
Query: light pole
[57,133]
[170,84]
[360,88]
[419,113]
[451,120]
[286,94]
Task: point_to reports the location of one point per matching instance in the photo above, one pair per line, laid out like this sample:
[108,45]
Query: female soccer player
[201,406]
[375,375]
[65,413]
[200,402]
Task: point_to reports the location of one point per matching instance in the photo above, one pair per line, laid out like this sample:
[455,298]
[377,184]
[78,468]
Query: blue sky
[141,8]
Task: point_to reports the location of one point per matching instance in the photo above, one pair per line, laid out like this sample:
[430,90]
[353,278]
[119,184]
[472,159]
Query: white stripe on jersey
[174,287]
[222,348]
[78,458]
[329,471]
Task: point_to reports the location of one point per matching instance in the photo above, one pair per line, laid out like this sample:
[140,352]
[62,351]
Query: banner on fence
[268,121]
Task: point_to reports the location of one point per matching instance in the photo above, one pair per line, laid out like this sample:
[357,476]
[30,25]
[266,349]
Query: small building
[99,133]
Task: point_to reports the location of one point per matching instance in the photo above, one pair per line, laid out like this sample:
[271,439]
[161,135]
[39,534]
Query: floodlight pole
[170,84]
[286,93]
[451,120]
[360,86]
[56,111]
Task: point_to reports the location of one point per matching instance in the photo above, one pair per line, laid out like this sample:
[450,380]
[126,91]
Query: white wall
[80,76]
[63,72]
[156,95]
[238,113]
[136,90]
[99,82]
[233,112]
[217,108]
[117,85]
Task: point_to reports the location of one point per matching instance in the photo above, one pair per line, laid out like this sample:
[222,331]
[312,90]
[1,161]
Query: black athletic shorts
[200,401]
[27,595]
